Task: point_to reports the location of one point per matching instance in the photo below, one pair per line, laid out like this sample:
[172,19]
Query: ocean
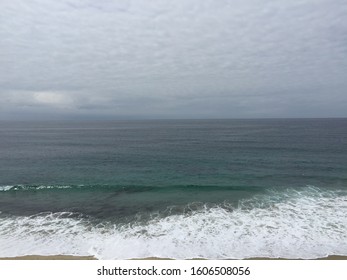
[214,189]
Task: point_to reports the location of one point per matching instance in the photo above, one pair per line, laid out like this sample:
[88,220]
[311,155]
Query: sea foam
[290,224]
[32,187]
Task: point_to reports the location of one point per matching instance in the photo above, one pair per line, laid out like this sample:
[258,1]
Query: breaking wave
[310,223]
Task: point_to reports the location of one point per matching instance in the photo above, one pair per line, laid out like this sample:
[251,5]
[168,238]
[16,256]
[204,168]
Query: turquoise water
[180,189]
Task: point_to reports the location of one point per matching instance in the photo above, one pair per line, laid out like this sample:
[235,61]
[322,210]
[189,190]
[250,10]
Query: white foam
[53,187]
[24,188]
[307,224]
[5,188]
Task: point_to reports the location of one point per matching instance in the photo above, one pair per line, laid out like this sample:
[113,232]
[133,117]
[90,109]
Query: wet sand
[69,257]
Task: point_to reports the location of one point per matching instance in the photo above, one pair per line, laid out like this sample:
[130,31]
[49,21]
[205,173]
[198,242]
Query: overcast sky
[172,59]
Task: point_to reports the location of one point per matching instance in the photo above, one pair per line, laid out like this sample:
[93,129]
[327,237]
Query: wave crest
[292,224]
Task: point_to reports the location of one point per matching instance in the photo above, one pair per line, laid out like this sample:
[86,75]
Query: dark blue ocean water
[179,188]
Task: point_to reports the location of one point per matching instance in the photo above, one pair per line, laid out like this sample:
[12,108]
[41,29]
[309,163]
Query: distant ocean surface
[180,189]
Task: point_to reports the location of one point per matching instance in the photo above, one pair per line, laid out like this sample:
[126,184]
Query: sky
[144,59]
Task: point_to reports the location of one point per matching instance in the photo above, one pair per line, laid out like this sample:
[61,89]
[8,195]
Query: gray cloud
[184,58]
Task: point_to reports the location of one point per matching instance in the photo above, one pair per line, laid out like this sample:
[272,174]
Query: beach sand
[56,257]
[69,257]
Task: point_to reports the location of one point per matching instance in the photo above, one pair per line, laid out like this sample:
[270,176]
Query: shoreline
[70,257]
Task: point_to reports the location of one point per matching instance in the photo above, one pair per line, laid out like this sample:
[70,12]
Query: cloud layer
[184,58]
